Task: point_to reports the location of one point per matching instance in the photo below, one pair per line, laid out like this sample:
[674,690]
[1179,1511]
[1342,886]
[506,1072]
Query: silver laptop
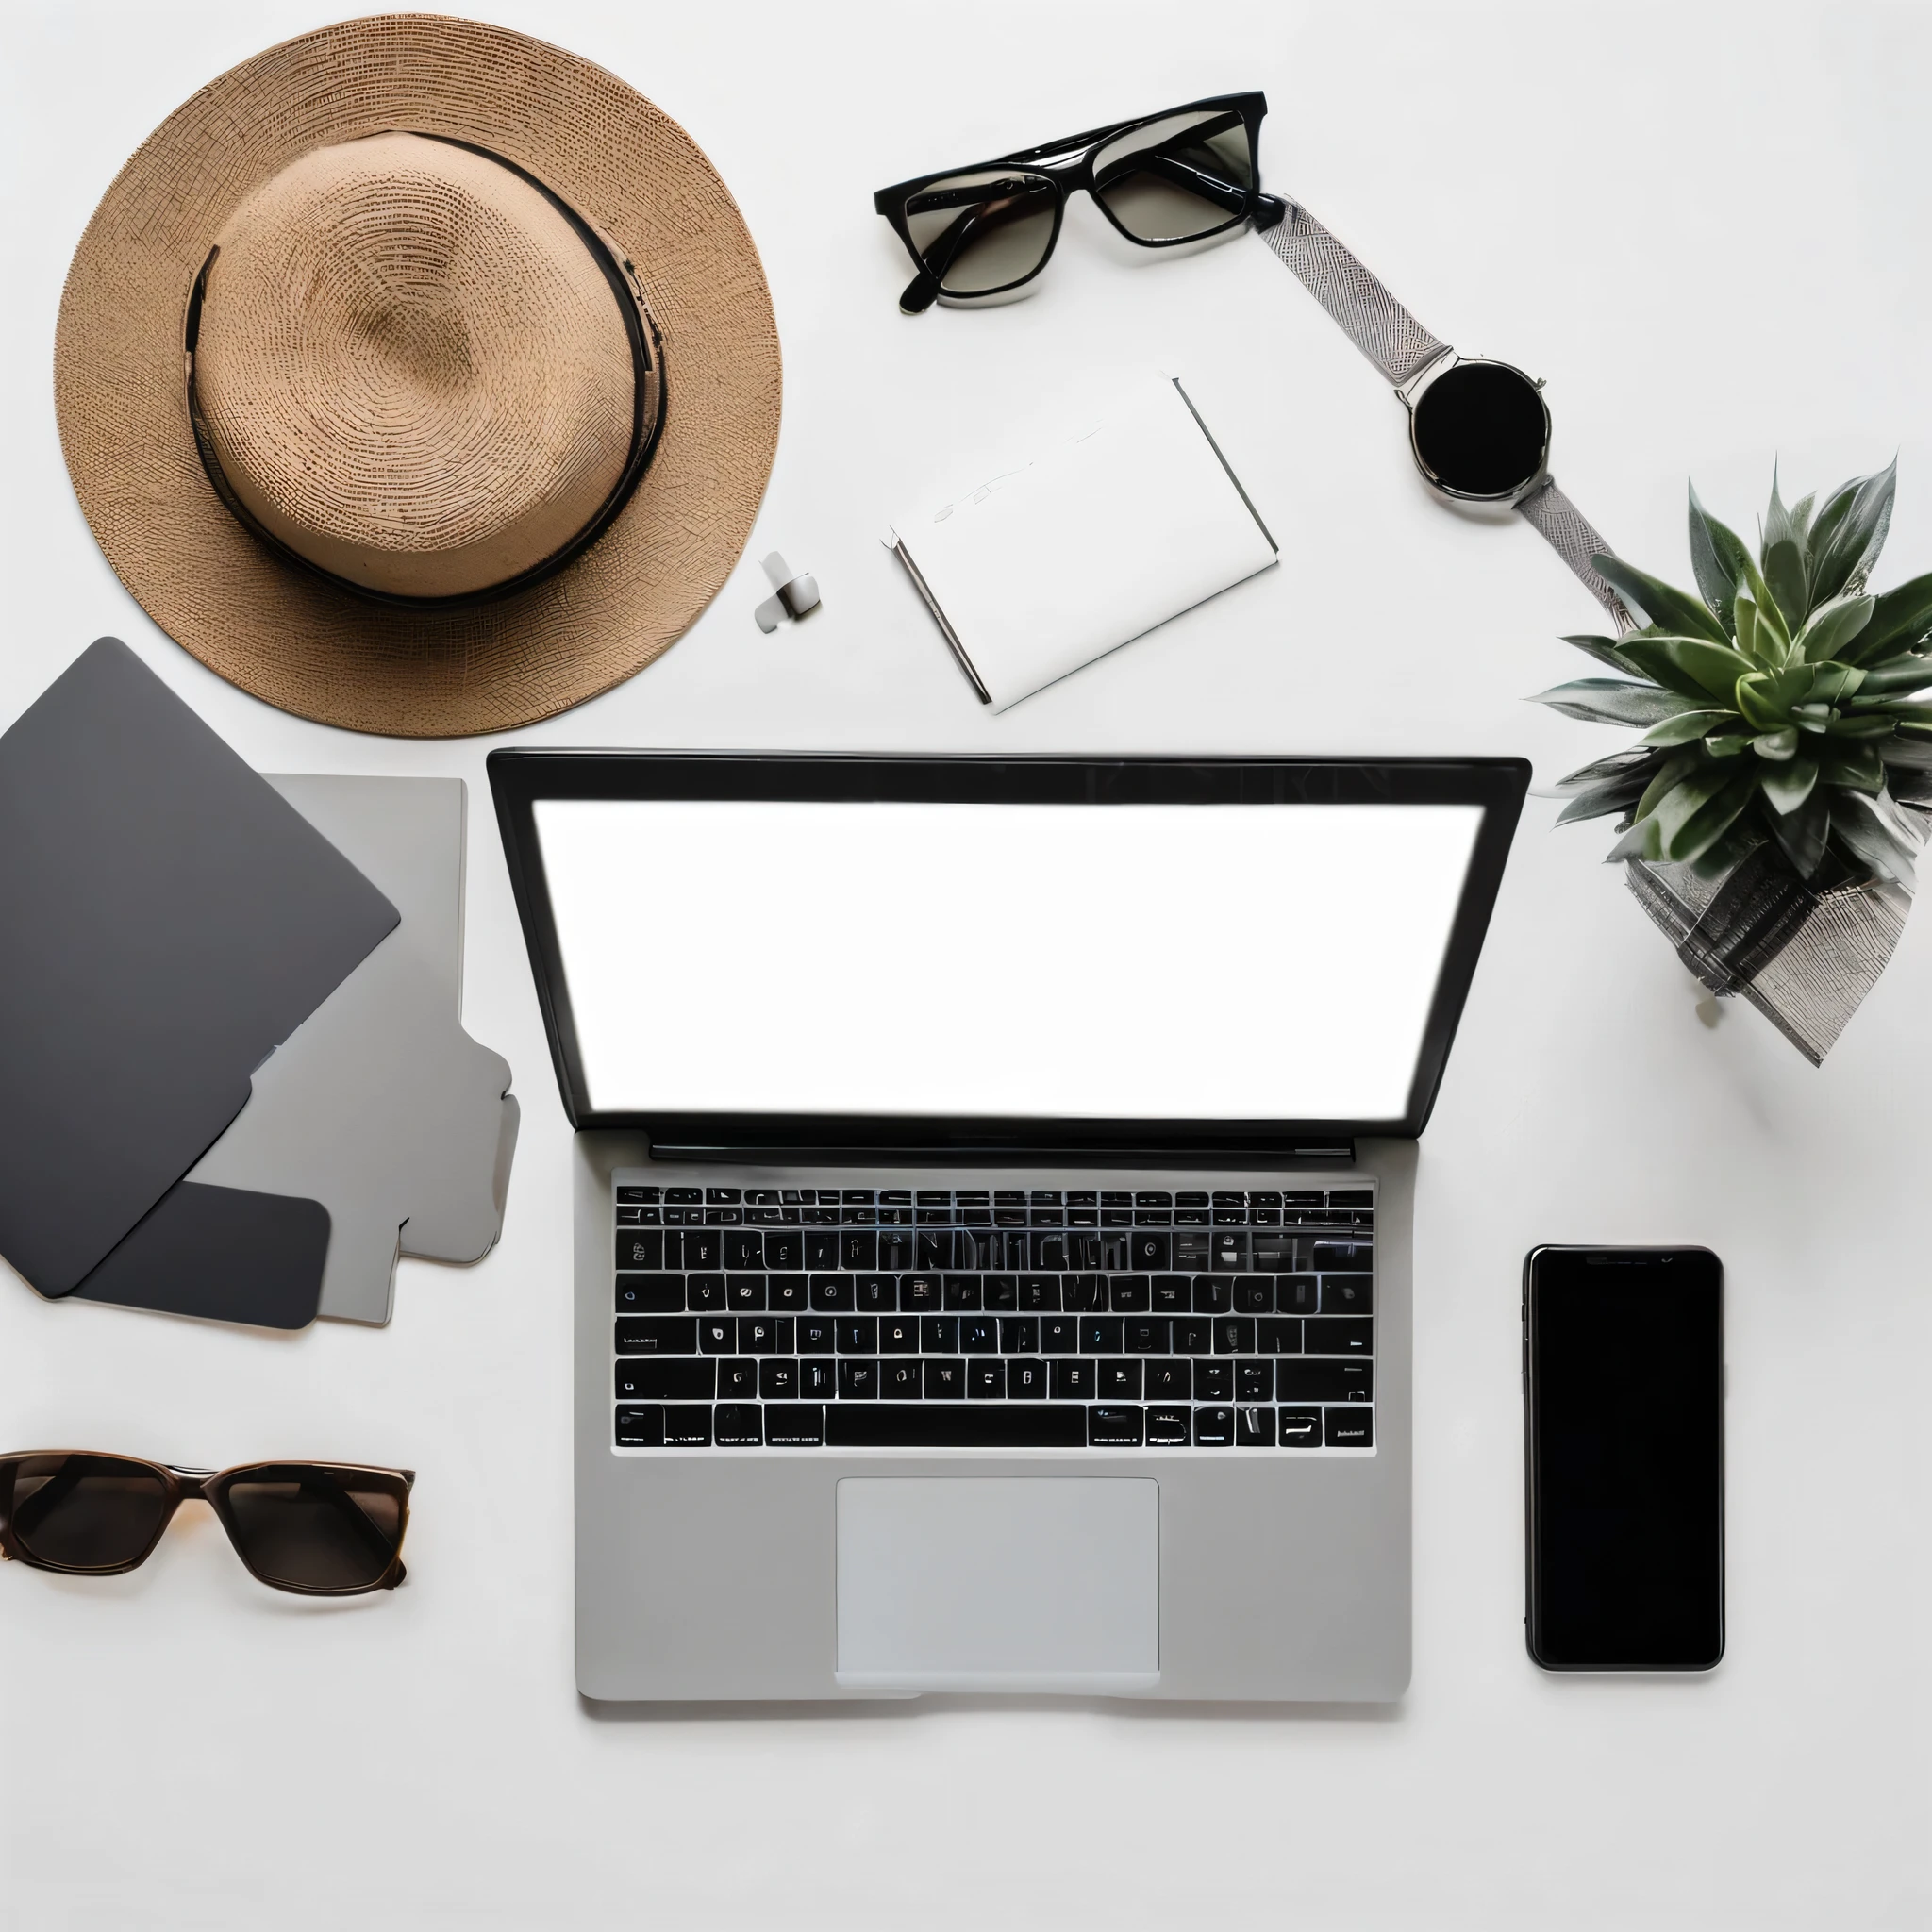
[993,1182]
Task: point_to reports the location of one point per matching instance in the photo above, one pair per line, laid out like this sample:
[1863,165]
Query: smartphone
[1623,1377]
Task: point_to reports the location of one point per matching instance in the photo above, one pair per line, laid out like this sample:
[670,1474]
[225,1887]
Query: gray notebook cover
[169,919]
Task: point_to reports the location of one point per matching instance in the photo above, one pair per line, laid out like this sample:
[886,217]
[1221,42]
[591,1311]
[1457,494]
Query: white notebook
[1099,539]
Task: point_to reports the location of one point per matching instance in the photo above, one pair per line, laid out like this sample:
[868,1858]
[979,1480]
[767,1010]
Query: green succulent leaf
[1873,829]
[1605,651]
[1697,812]
[1655,656]
[1803,833]
[1665,780]
[1666,606]
[1831,628]
[1756,699]
[1717,556]
[1908,753]
[1615,796]
[1832,684]
[1866,725]
[1842,557]
[1610,701]
[1903,711]
[1685,727]
[1728,745]
[1857,766]
[1712,670]
[1784,561]
[1640,840]
[1908,674]
[1788,786]
[1773,637]
[1730,849]
[1901,621]
[1777,745]
[1631,759]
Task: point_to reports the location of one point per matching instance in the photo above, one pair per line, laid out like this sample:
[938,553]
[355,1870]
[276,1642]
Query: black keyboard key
[704,1247]
[795,1426]
[935,1197]
[1193,1335]
[1306,1197]
[1102,1335]
[1301,1428]
[895,1250]
[900,1379]
[961,1293]
[857,1335]
[644,1380]
[1350,1428]
[1351,1197]
[1019,1335]
[945,1381]
[818,1378]
[766,1335]
[744,1247]
[1081,1292]
[737,1380]
[815,1335]
[858,1250]
[1295,1294]
[1347,1294]
[1334,1381]
[724,1197]
[785,1294]
[717,1335]
[934,1249]
[820,1249]
[899,1335]
[939,1334]
[1148,1197]
[1254,1428]
[640,1427]
[704,1294]
[1120,1379]
[1213,1297]
[1230,1249]
[919,1295]
[1214,1381]
[978,1335]
[1170,1378]
[832,1294]
[1254,1381]
[1050,1251]
[902,1195]
[784,1249]
[1278,1335]
[744,1294]
[1192,1253]
[1073,1381]
[1115,1428]
[676,1336]
[986,1379]
[691,1194]
[858,1196]
[778,1381]
[1168,1426]
[999,1294]
[1027,1380]
[634,1217]
[1060,1337]
[1213,1429]
[639,1247]
[1343,1258]
[1046,1217]
[643,1194]
[875,1295]
[1130,1295]
[1146,1336]
[1234,1335]
[859,1380]
[650,1294]
[687,1427]
[1340,1335]
[1170,1295]
[957,1425]
[739,1425]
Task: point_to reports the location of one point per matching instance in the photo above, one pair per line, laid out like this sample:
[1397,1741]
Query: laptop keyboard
[957,1318]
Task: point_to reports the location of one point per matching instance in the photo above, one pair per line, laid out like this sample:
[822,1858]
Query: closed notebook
[1049,565]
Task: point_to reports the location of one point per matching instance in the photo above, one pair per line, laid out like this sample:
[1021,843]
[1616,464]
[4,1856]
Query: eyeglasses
[1162,179]
[317,1528]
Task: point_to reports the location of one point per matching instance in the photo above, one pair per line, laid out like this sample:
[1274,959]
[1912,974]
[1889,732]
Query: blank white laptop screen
[1123,961]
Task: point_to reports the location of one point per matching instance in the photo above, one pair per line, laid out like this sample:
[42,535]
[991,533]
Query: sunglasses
[1161,179]
[317,1528]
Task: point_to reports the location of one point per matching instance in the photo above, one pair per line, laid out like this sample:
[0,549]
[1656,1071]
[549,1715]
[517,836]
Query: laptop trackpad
[972,1583]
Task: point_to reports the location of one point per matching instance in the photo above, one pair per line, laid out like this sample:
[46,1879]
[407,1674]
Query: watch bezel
[1413,398]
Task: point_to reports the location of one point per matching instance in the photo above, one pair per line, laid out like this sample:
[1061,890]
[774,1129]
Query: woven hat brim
[289,638]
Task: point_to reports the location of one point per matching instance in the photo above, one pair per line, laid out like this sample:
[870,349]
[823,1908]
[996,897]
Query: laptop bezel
[519,778]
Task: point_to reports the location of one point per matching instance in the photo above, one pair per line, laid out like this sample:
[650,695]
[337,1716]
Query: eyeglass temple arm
[923,288]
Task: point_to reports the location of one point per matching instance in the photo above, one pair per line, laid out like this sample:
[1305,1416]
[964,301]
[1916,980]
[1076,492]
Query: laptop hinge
[1234,1153]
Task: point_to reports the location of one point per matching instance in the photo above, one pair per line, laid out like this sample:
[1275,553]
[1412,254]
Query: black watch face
[1480,429]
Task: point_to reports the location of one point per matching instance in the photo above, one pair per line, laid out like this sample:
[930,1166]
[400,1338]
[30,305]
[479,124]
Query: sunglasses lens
[983,231]
[305,1527]
[86,1512]
[1178,178]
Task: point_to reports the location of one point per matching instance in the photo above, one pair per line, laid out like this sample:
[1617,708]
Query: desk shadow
[909,1709]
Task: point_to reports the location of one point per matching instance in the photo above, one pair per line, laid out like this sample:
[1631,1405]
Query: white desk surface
[1707,228]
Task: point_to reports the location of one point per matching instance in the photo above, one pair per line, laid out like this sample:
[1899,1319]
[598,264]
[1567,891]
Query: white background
[1709,228]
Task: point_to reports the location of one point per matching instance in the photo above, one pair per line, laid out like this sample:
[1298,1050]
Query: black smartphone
[1622,1375]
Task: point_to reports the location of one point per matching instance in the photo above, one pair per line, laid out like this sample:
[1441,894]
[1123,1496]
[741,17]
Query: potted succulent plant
[1770,813]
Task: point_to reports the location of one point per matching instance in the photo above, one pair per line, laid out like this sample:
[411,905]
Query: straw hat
[419,377]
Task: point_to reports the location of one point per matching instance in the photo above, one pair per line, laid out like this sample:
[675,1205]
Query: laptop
[993,1194]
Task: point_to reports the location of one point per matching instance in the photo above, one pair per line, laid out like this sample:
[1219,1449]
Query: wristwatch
[1479,429]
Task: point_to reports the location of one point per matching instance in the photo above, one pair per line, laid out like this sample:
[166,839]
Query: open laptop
[993,1191]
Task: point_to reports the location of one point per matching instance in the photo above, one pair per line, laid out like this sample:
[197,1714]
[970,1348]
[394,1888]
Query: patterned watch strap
[1371,318]
[1567,531]
[1401,348]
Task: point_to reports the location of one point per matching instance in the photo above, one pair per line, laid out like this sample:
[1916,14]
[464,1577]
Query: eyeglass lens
[983,231]
[86,1512]
[315,1529]
[1177,178]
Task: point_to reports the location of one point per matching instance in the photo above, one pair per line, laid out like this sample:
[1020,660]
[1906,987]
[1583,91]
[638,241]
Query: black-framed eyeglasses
[1161,179]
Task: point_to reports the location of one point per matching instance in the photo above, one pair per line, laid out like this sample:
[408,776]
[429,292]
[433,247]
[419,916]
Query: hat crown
[411,368]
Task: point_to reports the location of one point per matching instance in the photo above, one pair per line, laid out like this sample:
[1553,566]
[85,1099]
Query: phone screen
[1624,1368]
